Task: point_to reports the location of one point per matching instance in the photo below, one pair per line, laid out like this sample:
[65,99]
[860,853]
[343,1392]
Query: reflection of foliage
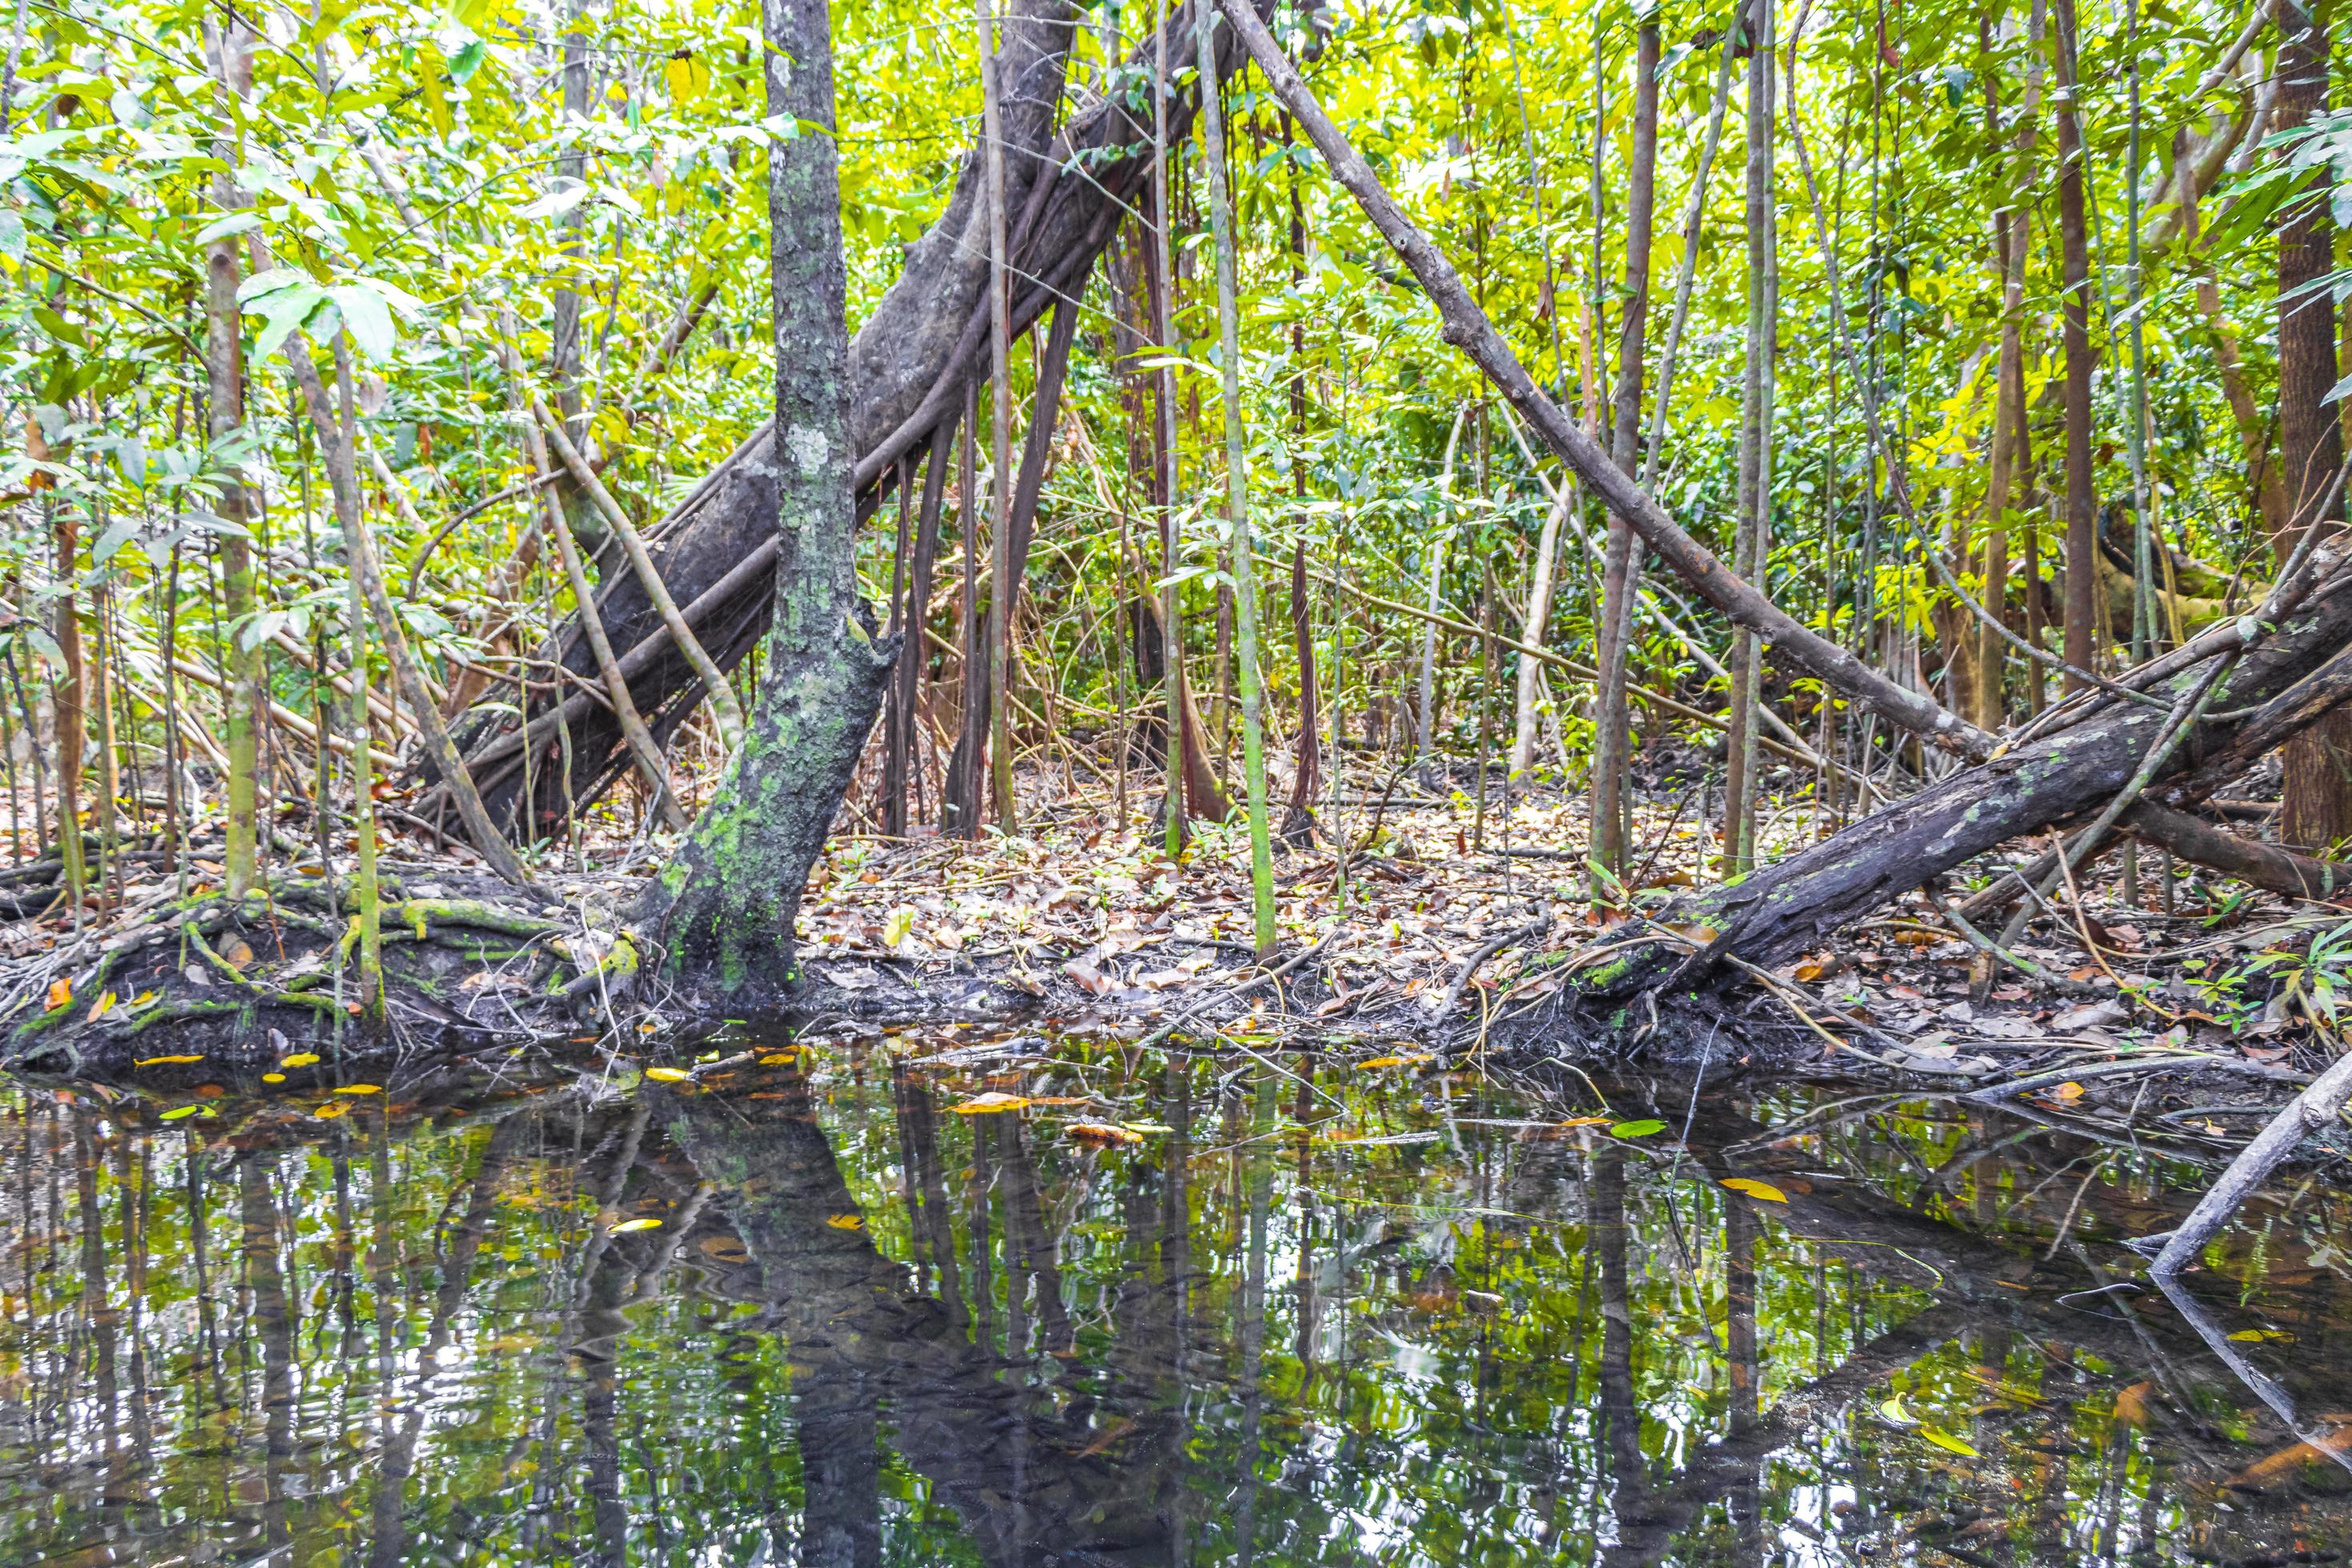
[1433,1350]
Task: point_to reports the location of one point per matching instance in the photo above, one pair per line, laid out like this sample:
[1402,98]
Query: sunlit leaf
[299,1059]
[165,1061]
[1756,1189]
[626,1226]
[1945,1441]
[330,1111]
[847,1221]
[360,1089]
[60,994]
[983,1104]
[178,1112]
[1642,1129]
[668,1075]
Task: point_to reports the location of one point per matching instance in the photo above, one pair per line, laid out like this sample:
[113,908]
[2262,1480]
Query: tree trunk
[1620,565]
[1237,517]
[2083,606]
[225,414]
[2319,793]
[724,908]
[2012,235]
[1753,545]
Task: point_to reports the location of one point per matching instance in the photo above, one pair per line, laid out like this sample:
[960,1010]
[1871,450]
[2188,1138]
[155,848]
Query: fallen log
[1795,904]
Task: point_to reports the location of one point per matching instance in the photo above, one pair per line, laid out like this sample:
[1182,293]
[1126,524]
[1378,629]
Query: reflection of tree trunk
[1030,1244]
[273,1321]
[1260,1158]
[1031,1481]
[935,1221]
[396,1461]
[97,1315]
[1745,1368]
[1621,1412]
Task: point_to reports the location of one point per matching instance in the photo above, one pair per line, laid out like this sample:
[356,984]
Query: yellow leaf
[667,1075]
[273,1078]
[783,1058]
[2068,1091]
[900,926]
[1892,1410]
[330,1111]
[2256,1336]
[685,77]
[299,1059]
[1101,1132]
[1946,1442]
[360,1089]
[1391,1062]
[98,1008]
[60,993]
[1756,1189]
[627,1225]
[983,1104]
[848,1222]
[143,998]
[1588,1122]
[164,1061]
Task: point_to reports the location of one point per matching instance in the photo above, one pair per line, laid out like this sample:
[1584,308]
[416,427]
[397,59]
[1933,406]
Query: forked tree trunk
[724,908]
[716,549]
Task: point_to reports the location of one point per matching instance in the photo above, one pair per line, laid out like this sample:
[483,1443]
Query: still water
[1291,1313]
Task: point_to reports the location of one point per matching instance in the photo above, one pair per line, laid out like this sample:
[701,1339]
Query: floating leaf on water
[667,1075]
[178,1112]
[165,1061]
[1756,1189]
[627,1225]
[846,1222]
[1642,1129]
[1101,1132]
[993,1100]
[273,1078]
[299,1059]
[1950,1444]
[1391,1062]
[360,1089]
[2256,1336]
[330,1111]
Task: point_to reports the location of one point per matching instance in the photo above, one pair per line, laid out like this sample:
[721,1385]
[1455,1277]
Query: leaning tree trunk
[907,367]
[724,908]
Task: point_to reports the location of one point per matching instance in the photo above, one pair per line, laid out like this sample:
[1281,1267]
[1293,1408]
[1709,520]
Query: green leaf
[225,225]
[366,317]
[116,534]
[12,235]
[1642,1129]
[178,1112]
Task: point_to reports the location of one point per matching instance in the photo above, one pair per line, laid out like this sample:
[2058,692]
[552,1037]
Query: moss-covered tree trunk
[724,909]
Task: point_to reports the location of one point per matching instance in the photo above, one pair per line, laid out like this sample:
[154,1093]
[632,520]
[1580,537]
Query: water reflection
[1312,1316]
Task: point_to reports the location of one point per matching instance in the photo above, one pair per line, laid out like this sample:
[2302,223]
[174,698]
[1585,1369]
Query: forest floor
[1438,936]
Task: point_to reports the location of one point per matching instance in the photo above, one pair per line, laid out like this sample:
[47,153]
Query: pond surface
[1269,1310]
